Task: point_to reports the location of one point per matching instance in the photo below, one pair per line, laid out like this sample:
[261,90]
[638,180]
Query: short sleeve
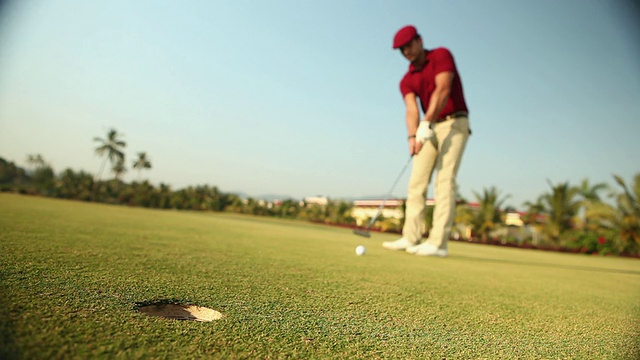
[404,87]
[443,61]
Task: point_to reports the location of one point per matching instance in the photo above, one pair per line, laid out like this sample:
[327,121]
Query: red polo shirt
[422,81]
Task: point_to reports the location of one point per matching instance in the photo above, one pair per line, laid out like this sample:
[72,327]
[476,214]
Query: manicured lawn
[71,274]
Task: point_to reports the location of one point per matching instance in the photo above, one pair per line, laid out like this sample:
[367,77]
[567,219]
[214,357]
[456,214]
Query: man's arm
[437,102]
[412,118]
[439,96]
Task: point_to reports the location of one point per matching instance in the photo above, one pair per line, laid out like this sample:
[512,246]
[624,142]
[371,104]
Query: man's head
[409,42]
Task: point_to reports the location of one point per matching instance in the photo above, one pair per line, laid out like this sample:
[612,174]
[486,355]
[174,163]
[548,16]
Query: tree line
[577,218]
[41,179]
[588,218]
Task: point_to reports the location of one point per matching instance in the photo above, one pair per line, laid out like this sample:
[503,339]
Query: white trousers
[443,155]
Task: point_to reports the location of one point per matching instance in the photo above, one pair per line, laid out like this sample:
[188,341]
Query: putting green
[71,274]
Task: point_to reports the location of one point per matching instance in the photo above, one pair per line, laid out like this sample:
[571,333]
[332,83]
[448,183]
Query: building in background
[363,210]
[315,200]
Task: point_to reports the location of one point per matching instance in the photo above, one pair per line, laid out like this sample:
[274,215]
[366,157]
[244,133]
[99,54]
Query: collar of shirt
[413,68]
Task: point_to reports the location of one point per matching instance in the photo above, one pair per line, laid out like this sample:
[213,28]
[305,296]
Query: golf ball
[360,250]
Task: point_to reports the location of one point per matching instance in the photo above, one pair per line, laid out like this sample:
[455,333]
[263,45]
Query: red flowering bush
[589,242]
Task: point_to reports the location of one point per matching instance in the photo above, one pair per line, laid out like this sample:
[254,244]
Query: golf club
[365,232]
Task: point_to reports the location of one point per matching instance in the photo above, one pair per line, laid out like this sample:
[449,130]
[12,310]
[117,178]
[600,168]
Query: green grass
[71,274]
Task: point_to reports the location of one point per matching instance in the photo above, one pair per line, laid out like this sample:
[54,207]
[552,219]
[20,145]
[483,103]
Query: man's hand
[424,132]
[414,146]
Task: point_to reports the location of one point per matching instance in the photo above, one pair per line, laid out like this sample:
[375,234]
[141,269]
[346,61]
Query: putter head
[362,233]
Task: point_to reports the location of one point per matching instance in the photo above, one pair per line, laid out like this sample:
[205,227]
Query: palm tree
[590,196]
[119,169]
[589,192]
[110,148]
[36,160]
[560,206]
[141,164]
[624,219]
[488,216]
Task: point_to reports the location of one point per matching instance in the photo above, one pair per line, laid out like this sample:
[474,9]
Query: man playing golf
[436,142]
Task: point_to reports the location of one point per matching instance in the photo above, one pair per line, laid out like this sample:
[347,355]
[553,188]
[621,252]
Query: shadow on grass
[8,347]
[547,265]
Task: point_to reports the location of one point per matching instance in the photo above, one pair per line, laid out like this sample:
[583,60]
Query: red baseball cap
[404,35]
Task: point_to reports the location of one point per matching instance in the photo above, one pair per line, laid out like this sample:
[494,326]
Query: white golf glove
[424,132]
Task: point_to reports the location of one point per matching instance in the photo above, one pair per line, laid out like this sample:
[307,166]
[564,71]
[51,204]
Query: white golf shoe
[400,244]
[425,249]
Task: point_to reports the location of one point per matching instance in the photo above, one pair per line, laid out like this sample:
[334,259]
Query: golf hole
[181,312]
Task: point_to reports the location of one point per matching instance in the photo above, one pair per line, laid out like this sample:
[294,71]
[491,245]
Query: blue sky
[301,98]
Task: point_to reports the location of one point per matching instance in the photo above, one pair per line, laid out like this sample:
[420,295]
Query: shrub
[591,242]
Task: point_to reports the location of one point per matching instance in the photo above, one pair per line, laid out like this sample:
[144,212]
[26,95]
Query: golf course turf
[73,276]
